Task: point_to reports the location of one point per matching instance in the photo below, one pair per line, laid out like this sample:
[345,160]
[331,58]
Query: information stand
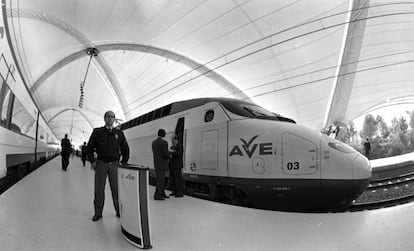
[134,204]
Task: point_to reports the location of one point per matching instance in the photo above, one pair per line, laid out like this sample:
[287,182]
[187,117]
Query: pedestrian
[367,147]
[175,167]
[161,157]
[109,143]
[83,153]
[65,152]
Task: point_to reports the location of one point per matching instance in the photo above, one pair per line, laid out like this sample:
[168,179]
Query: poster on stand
[133,204]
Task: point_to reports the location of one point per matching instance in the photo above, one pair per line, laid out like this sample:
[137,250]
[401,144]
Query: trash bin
[133,204]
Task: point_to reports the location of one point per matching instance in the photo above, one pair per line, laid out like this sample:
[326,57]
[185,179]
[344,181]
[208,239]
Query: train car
[238,152]
[25,139]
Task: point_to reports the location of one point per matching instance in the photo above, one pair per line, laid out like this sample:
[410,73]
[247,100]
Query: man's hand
[93,166]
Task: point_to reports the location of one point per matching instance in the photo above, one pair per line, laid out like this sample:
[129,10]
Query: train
[26,142]
[238,152]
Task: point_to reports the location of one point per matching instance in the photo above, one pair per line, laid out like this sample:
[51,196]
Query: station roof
[282,55]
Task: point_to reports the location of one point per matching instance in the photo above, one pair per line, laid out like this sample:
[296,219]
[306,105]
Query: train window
[4,103]
[247,109]
[257,111]
[128,124]
[209,116]
[22,121]
[139,120]
[133,123]
[253,111]
[157,113]
[166,110]
[341,147]
[144,118]
[151,116]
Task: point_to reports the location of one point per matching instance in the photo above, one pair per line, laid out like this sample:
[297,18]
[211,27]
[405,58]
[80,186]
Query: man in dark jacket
[108,142]
[65,152]
[367,147]
[175,166]
[84,152]
[161,156]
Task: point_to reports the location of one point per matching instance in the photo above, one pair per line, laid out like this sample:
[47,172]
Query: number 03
[293,165]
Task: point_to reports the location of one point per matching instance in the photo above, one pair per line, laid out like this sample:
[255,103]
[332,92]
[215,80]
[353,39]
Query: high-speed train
[238,152]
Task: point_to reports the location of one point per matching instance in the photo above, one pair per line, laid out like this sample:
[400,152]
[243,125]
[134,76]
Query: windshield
[257,111]
[250,110]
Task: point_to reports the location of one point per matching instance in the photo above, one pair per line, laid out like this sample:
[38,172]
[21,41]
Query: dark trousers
[83,160]
[159,189]
[65,161]
[367,154]
[176,181]
[102,170]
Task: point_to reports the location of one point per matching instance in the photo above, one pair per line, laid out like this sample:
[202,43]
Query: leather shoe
[118,215]
[172,194]
[96,217]
[166,197]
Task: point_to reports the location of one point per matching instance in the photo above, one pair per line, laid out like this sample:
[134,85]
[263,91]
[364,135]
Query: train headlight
[339,146]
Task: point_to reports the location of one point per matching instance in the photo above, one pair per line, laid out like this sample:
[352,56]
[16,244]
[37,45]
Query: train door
[206,152]
[180,133]
[179,130]
[300,165]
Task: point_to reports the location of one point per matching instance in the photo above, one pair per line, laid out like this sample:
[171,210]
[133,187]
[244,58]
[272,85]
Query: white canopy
[287,56]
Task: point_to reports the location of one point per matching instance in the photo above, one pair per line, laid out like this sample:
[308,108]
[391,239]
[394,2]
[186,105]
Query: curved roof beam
[67,28]
[395,101]
[71,109]
[84,138]
[179,58]
[67,60]
[213,75]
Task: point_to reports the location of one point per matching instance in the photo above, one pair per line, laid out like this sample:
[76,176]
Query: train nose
[361,173]
[361,168]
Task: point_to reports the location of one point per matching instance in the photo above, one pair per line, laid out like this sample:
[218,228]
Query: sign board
[134,204]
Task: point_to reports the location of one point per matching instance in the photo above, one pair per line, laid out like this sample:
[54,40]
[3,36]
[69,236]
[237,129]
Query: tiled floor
[51,210]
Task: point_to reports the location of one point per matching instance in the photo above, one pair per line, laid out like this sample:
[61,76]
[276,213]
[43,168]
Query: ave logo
[249,148]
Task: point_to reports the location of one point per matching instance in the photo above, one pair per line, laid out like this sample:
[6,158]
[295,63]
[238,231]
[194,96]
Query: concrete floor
[51,210]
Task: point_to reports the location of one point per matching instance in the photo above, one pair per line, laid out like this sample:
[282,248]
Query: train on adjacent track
[238,152]
[26,141]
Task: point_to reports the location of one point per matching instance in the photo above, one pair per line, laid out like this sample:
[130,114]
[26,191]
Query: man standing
[367,147]
[66,151]
[83,153]
[161,156]
[175,166]
[108,142]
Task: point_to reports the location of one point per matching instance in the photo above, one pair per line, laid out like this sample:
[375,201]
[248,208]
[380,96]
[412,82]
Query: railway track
[385,192]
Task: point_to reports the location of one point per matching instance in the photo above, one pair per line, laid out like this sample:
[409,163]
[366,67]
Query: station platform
[51,210]
[392,162]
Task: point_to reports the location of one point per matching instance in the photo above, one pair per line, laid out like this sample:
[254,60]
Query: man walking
[65,152]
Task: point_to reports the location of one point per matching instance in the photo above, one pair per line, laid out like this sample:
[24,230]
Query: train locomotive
[238,152]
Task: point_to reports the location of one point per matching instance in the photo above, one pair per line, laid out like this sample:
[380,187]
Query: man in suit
[161,157]
[175,166]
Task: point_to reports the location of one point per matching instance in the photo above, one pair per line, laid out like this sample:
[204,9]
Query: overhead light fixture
[92,52]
